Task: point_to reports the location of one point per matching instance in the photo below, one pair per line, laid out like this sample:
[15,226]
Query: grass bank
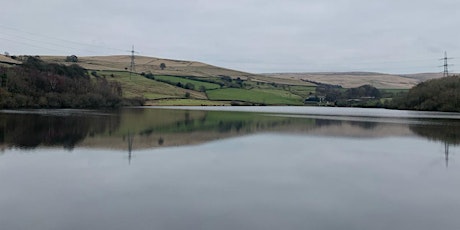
[259,96]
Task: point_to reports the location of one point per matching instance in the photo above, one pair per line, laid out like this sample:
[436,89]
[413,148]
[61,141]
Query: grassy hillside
[188,88]
[135,85]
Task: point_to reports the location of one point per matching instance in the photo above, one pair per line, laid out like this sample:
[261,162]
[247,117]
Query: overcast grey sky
[391,36]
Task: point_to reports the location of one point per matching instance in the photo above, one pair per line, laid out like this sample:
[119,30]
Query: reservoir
[229,168]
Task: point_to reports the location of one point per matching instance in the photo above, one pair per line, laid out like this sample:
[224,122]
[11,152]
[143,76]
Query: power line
[48,38]
[28,44]
[47,42]
[36,41]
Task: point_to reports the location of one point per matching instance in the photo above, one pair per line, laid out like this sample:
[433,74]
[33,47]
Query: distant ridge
[355,79]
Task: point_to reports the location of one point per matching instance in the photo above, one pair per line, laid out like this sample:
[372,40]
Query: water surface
[213,168]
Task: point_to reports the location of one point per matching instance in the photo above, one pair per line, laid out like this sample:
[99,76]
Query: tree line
[37,84]
[441,94]
[362,96]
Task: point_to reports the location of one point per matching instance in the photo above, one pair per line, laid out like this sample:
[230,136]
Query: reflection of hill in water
[180,127]
[176,127]
[160,127]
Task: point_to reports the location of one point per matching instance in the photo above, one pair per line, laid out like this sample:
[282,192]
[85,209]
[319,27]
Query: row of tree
[364,96]
[441,94]
[37,84]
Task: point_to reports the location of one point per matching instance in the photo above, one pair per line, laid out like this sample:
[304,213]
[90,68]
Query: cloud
[251,35]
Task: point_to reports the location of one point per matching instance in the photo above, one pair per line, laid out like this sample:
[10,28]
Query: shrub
[71,58]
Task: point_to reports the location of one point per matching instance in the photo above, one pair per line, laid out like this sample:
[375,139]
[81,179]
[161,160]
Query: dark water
[276,168]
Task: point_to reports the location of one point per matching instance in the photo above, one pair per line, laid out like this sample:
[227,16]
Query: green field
[198,84]
[262,96]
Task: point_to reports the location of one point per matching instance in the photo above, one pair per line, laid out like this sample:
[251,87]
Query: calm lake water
[229,168]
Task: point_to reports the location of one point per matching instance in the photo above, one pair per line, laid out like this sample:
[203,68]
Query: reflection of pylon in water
[130,146]
[446,153]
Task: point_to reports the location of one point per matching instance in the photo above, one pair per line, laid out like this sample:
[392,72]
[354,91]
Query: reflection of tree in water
[227,126]
[360,124]
[252,125]
[187,119]
[448,133]
[32,130]
[364,124]
[327,122]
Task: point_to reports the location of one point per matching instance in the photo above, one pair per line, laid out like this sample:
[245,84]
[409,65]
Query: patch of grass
[262,96]
[303,91]
[135,85]
[187,102]
[198,84]
[210,79]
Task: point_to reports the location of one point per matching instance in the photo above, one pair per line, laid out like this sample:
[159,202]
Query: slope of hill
[8,60]
[423,76]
